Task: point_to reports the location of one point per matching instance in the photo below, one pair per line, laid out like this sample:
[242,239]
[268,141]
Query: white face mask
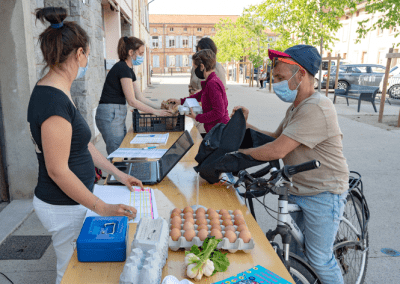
[82,70]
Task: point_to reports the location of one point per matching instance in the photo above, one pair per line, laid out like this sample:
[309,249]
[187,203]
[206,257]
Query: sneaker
[261,88]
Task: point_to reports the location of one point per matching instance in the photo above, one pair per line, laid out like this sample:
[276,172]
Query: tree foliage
[303,21]
[389,19]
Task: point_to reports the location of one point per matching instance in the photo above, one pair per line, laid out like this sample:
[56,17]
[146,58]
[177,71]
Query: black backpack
[218,150]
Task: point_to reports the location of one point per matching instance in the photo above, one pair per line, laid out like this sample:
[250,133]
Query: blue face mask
[139,60]
[82,70]
[283,92]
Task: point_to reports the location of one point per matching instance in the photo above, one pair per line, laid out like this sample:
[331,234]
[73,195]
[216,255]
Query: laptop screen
[175,153]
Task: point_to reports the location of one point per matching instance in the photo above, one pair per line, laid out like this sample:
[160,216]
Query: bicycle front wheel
[301,273]
[351,252]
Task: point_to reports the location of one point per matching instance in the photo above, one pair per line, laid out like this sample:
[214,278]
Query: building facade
[174,39]
[21,66]
[372,49]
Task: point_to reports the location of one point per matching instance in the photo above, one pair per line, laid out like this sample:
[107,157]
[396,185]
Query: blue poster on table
[255,275]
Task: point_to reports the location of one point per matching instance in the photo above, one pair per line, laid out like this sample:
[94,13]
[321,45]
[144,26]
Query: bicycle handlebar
[307,166]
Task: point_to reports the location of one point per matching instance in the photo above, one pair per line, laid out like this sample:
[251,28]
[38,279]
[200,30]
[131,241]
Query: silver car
[356,74]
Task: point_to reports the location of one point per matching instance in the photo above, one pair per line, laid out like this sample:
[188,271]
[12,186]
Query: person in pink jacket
[213,97]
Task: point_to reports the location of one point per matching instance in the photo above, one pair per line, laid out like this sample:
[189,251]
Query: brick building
[174,39]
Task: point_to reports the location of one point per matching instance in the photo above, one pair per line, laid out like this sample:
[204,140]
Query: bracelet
[94,205]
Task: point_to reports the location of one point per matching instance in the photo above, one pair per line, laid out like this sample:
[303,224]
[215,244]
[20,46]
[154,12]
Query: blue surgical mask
[82,70]
[139,60]
[283,92]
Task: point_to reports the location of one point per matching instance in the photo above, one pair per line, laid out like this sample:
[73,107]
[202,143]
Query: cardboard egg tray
[225,244]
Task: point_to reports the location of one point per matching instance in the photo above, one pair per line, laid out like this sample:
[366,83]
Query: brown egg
[202,234]
[212,215]
[214,221]
[190,219]
[201,210]
[231,236]
[189,235]
[177,210]
[245,236]
[230,228]
[173,214]
[188,209]
[242,227]
[176,220]
[188,226]
[187,215]
[209,210]
[239,221]
[202,227]
[237,212]
[216,233]
[201,221]
[227,222]
[175,234]
[200,215]
[226,216]
[177,226]
[217,226]
[223,211]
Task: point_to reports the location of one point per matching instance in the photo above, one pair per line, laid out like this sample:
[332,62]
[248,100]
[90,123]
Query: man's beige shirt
[314,124]
[195,83]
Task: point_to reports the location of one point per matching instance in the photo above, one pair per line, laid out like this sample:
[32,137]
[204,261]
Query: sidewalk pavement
[370,148]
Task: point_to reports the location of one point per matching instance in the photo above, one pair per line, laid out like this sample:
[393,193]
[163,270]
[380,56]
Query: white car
[393,87]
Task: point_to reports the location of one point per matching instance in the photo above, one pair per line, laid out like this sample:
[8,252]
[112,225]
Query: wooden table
[178,189]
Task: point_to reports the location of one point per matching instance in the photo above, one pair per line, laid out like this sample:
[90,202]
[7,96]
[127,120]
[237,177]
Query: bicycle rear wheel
[351,251]
[301,273]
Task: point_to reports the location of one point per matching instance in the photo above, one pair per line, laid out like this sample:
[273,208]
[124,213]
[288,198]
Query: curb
[13,216]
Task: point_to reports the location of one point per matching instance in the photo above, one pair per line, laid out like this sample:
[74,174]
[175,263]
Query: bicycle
[351,241]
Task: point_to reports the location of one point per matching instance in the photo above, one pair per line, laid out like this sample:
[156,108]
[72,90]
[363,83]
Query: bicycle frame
[284,218]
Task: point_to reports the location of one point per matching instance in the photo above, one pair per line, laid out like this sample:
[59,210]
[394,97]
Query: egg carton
[142,267]
[239,244]
[186,110]
[152,235]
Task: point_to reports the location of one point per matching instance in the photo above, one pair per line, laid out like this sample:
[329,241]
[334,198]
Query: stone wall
[86,91]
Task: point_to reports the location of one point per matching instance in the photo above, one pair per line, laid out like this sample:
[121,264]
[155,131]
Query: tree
[246,37]
[389,19]
[256,38]
[303,21]
[311,22]
[229,40]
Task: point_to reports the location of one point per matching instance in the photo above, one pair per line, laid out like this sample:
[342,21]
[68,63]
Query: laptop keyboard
[141,171]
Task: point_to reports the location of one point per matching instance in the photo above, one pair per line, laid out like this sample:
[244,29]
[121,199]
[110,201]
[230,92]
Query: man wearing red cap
[309,131]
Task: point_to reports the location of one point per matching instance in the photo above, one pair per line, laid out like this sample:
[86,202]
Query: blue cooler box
[103,239]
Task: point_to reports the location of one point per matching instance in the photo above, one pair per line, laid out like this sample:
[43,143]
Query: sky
[200,7]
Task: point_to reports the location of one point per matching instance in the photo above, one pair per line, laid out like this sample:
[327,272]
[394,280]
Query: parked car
[357,74]
[393,88]
[325,64]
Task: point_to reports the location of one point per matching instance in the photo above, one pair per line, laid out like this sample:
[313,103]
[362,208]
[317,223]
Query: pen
[147,135]
[152,147]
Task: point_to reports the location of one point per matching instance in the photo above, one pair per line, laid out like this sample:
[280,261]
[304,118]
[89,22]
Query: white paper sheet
[137,153]
[150,139]
[121,195]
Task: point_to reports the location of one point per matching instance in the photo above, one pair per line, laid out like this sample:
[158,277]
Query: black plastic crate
[146,122]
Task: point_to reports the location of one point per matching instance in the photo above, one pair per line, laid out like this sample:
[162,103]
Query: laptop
[155,171]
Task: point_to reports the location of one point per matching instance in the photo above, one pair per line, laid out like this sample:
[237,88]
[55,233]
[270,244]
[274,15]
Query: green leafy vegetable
[194,249]
[211,252]
[221,261]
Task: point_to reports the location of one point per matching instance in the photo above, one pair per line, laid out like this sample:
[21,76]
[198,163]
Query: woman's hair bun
[53,15]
